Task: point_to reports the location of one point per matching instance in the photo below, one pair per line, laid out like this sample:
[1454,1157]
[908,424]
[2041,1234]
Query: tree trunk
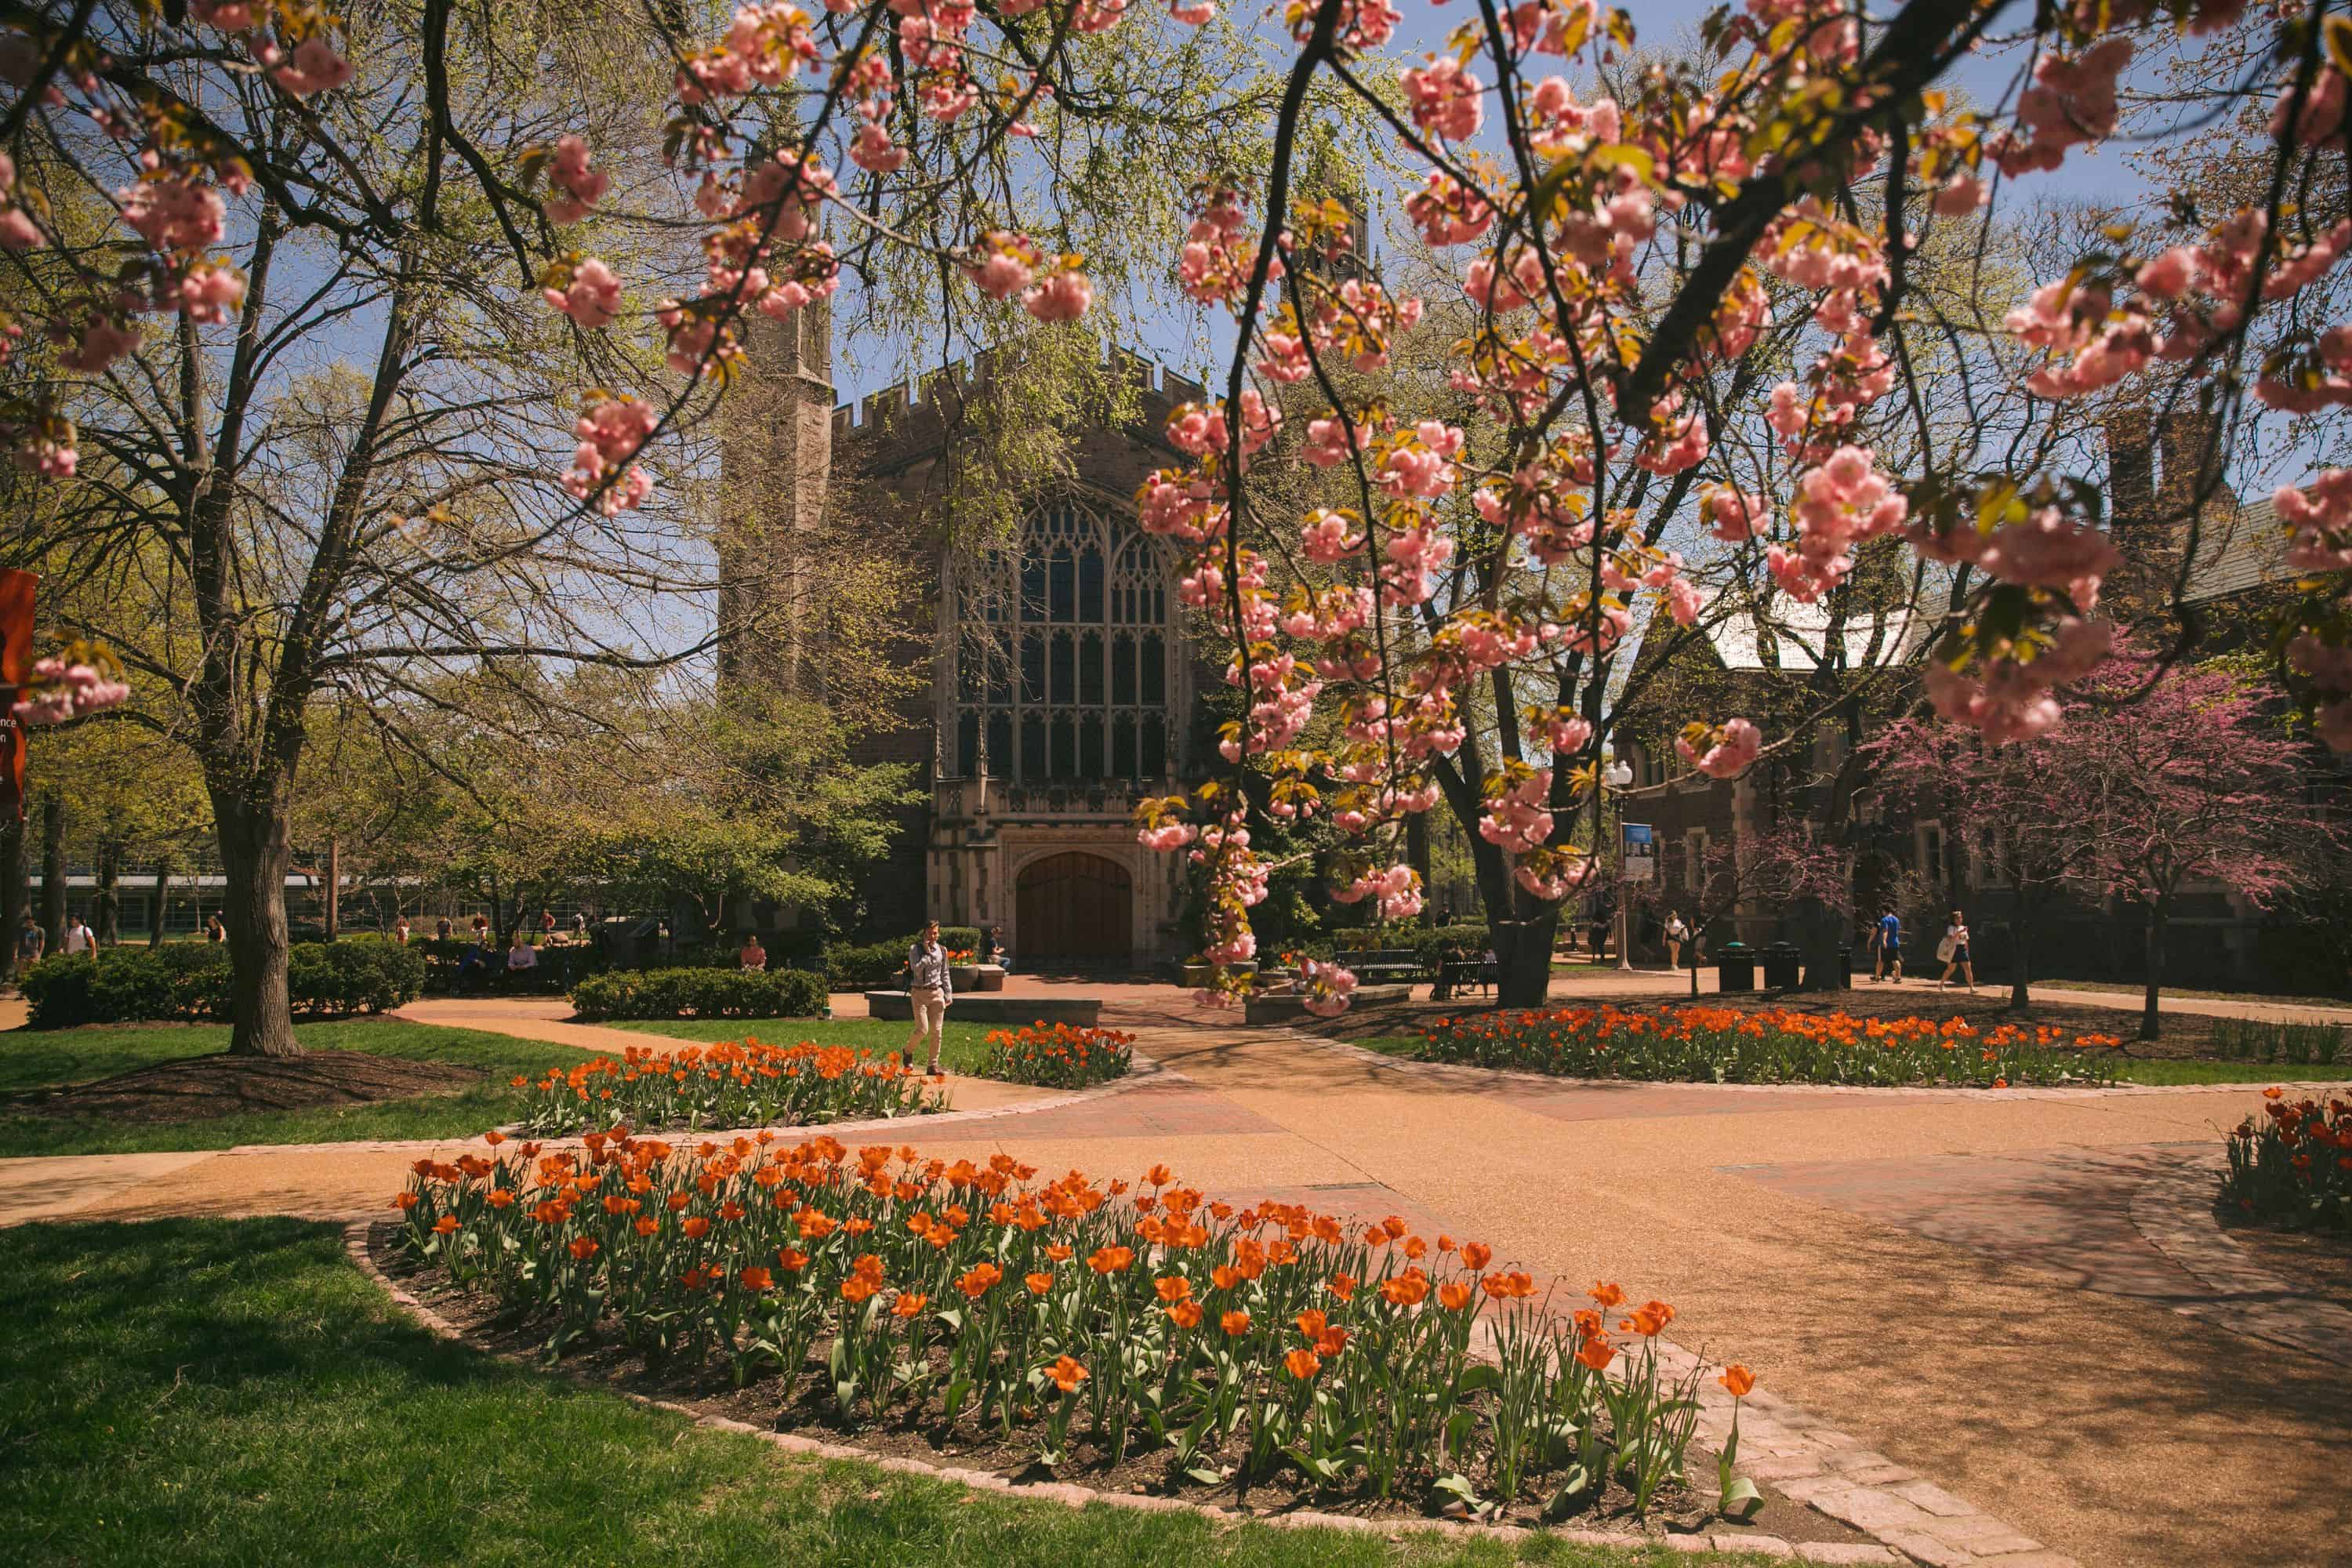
[53,871]
[2020,934]
[2150,1018]
[255,856]
[15,890]
[159,901]
[106,917]
[1416,855]
[1523,954]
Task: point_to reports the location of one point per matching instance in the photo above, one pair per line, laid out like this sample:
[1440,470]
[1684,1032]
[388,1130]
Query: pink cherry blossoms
[61,689]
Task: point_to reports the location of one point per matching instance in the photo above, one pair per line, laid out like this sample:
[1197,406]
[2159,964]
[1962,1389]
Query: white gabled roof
[1801,637]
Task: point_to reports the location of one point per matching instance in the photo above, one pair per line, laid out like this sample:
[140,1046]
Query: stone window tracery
[1061,645]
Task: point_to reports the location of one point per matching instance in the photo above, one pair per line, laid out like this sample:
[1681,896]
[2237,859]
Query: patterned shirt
[927,969]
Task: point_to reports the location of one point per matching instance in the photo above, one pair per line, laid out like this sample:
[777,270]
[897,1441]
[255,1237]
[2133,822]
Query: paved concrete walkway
[1956,1279]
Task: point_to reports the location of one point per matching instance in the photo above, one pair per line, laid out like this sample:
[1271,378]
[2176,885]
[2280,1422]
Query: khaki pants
[930,1023]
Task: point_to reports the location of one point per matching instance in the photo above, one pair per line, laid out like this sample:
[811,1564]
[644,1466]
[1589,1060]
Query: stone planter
[964,977]
[1287,1008]
[987,977]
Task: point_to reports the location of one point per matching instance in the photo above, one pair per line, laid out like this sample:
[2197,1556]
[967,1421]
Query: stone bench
[993,1007]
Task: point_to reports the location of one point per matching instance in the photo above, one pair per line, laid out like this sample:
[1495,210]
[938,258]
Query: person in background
[79,941]
[1887,944]
[482,928]
[213,929]
[31,942]
[929,989]
[753,955]
[986,951]
[441,929]
[1954,951]
[521,955]
[1678,933]
[400,930]
[547,923]
[474,967]
[579,926]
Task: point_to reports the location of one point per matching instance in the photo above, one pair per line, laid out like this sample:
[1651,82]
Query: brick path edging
[1467,1072]
[1911,1518]
[1143,1070]
[2174,1211]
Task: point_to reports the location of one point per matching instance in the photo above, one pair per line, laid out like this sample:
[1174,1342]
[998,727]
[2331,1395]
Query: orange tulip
[908,1303]
[1111,1260]
[1174,1288]
[1607,1295]
[1739,1380]
[1039,1283]
[1596,1354]
[1185,1314]
[977,1282]
[1234,1324]
[1067,1374]
[1453,1295]
[1303,1364]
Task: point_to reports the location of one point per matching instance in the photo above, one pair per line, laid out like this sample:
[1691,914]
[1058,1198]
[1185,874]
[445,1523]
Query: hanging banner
[15,669]
[1640,851]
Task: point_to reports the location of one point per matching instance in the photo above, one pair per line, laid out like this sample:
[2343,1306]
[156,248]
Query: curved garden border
[2174,1211]
[1908,1517]
[1468,1073]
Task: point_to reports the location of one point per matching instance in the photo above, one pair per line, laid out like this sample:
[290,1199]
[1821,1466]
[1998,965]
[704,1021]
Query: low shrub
[700,994]
[881,965]
[1730,1044]
[991,1307]
[1058,1056]
[743,1084]
[189,983]
[2293,1165]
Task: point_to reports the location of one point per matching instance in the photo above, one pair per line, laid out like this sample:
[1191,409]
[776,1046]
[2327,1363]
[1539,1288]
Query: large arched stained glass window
[1063,651]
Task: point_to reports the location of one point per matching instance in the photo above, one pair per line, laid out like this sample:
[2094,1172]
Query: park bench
[1386,965]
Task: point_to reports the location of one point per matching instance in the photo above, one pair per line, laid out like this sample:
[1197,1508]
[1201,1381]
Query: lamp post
[1619,775]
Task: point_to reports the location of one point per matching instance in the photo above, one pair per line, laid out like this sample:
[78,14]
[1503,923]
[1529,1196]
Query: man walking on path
[929,989]
[31,942]
[79,941]
[1887,939]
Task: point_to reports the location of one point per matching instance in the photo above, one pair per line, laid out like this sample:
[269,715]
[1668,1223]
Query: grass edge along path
[106,1050]
[235,1392]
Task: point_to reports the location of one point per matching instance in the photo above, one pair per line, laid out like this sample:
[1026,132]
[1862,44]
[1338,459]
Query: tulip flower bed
[736,1084]
[1058,1056]
[1086,1326]
[1730,1045]
[2293,1165]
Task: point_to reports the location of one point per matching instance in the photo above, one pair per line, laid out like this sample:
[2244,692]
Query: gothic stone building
[1063,679]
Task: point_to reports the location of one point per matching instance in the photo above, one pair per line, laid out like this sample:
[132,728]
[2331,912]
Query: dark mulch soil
[2315,1262]
[196,1088]
[806,1407]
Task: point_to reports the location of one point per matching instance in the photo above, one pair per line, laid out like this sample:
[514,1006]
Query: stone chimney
[2194,462]
[2131,469]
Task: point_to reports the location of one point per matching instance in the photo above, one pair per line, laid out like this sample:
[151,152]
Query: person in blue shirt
[1886,944]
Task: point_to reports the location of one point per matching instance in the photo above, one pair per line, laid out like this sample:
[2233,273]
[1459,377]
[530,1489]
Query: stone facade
[1063,680]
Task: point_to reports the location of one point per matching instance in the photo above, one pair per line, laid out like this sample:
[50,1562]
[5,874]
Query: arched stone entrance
[1073,907]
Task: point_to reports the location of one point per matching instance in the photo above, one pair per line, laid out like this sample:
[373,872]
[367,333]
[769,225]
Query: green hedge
[188,982]
[700,993]
[875,965]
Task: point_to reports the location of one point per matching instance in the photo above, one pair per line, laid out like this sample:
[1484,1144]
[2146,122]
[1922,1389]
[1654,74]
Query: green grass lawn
[2126,1070]
[963,1049]
[31,1058]
[234,1392]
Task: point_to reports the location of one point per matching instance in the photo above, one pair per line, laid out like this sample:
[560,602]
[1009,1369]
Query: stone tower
[775,458]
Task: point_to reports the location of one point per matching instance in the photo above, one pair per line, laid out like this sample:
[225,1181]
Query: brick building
[1772,659]
[1063,681]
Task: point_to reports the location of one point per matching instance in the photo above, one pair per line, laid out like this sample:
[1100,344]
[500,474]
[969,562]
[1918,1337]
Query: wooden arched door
[1073,907]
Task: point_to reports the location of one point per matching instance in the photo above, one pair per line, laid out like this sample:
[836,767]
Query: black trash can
[1734,967]
[1781,961]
